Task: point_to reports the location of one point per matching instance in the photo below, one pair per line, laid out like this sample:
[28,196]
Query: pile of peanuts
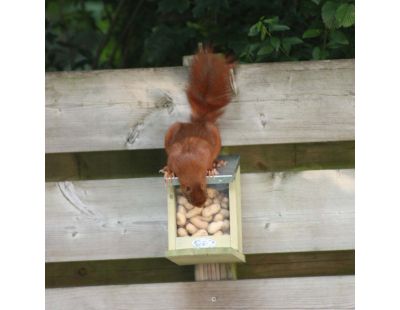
[212,219]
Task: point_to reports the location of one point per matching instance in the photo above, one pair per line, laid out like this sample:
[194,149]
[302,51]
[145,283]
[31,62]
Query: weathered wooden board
[335,292]
[160,270]
[126,218]
[131,109]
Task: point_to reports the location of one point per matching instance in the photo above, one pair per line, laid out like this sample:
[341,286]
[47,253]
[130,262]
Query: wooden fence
[106,217]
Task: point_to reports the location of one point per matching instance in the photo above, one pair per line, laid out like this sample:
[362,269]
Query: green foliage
[311,33]
[168,6]
[271,41]
[345,15]
[328,14]
[276,40]
[85,35]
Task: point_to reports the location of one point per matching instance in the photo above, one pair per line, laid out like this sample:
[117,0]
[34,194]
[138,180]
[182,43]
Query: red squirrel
[192,148]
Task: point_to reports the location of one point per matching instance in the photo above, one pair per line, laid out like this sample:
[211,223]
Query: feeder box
[205,245]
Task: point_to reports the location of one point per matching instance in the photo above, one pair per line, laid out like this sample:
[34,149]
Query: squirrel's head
[195,192]
[193,185]
[191,173]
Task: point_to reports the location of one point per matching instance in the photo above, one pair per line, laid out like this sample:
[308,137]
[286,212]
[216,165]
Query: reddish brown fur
[209,86]
[193,147]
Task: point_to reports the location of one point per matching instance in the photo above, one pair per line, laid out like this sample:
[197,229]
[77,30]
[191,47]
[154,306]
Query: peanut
[182,200]
[225,213]
[181,209]
[225,226]
[201,232]
[191,228]
[206,218]
[195,211]
[214,227]
[197,221]
[212,192]
[182,232]
[218,217]
[208,202]
[180,219]
[218,233]
[189,206]
[211,210]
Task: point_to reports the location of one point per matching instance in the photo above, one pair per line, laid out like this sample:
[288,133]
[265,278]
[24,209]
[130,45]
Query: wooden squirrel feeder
[212,233]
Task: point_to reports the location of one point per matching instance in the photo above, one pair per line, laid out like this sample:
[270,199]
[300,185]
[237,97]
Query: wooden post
[213,272]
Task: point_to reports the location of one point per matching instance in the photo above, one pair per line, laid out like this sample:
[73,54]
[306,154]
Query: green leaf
[264,32]
[337,37]
[271,21]
[253,47]
[275,42]
[328,13]
[286,47]
[345,15]
[317,2]
[254,30]
[292,40]
[288,42]
[324,54]
[278,27]
[311,33]
[316,53]
[265,50]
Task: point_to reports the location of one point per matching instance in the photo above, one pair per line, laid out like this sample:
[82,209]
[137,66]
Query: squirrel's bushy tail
[209,89]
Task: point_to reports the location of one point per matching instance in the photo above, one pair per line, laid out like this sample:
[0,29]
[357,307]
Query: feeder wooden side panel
[233,215]
[239,210]
[171,218]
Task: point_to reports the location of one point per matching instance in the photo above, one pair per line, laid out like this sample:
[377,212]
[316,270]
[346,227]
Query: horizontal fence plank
[292,102]
[121,271]
[144,163]
[336,292]
[159,270]
[126,218]
[275,265]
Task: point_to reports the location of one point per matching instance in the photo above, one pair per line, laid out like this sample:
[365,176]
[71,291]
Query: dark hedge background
[87,35]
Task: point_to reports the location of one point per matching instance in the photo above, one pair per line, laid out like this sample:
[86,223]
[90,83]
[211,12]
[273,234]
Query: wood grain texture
[126,218]
[290,102]
[300,264]
[335,292]
[159,270]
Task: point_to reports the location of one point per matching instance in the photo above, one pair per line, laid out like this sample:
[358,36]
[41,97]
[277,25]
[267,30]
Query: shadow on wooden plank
[159,270]
[145,163]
